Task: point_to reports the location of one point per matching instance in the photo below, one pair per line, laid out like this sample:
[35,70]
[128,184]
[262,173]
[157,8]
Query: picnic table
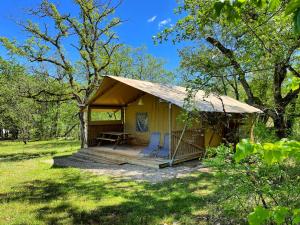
[115,137]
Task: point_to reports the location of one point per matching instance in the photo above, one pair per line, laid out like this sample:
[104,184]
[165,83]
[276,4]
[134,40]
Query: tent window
[105,116]
[142,122]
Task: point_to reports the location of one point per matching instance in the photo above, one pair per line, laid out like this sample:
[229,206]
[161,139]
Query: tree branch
[241,73]
[295,72]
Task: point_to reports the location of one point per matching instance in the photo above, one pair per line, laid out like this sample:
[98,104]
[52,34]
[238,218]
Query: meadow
[33,191]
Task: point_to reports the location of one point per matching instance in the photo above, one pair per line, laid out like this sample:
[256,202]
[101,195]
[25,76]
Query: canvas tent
[142,107]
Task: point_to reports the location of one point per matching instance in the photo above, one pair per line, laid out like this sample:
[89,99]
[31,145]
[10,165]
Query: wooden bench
[100,139]
[106,139]
[116,137]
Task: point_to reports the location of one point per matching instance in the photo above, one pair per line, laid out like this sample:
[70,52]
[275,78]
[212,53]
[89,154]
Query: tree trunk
[54,129]
[280,125]
[279,115]
[83,129]
[290,120]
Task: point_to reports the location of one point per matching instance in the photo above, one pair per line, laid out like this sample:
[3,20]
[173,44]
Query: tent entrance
[104,119]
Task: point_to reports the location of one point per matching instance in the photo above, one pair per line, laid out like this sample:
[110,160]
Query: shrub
[259,184]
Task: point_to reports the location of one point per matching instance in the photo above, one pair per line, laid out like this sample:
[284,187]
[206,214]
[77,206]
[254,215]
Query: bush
[259,184]
[262,133]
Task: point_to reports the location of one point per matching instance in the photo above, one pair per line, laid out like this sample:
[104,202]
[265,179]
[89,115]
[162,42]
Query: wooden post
[86,117]
[124,118]
[170,130]
[89,114]
[253,119]
[177,147]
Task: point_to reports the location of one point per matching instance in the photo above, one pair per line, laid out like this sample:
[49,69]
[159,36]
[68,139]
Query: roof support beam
[98,95]
[106,106]
[141,94]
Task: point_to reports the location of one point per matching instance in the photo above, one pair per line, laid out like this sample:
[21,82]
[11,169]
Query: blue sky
[143,20]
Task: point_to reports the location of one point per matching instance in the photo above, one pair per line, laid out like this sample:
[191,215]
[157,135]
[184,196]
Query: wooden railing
[95,129]
[191,144]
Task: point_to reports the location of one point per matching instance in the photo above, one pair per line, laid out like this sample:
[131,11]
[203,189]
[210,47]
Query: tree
[231,8]
[23,109]
[136,63]
[11,106]
[259,43]
[92,37]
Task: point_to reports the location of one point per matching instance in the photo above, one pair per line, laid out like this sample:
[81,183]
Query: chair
[153,145]
[164,150]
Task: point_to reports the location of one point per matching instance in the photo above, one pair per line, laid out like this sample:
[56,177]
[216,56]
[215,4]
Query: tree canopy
[255,55]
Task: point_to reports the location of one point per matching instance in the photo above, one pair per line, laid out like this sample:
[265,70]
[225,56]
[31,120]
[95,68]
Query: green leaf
[273,153]
[295,80]
[259,216]
[218,6]
[274,4]
[297,21]
[292,6]
[279,214]
[244,149]
[296,216]
[261,3]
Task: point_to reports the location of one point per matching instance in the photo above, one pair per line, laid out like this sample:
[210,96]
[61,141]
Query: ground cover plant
[266,183]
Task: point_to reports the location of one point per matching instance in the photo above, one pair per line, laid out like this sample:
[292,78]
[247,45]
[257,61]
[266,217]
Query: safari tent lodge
[146,123]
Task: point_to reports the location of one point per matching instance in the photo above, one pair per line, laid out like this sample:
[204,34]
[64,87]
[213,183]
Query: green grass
[32,191]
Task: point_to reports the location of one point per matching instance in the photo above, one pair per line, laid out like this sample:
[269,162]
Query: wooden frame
[170,131]
[179,142]
[95,127]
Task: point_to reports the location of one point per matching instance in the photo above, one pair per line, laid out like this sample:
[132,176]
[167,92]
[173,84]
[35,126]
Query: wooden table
[114,137]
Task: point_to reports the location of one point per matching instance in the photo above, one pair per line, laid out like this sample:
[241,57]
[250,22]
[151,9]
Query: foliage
[264,132]
[270,153]
[24,114]
[136,63]
[259,183]
[91,33]
[242,55]
[231,8]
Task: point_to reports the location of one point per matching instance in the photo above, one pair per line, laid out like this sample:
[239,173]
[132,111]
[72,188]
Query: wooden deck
[121,155]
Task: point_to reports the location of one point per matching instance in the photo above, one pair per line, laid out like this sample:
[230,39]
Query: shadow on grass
[24,156]
[52,144]
[142,203]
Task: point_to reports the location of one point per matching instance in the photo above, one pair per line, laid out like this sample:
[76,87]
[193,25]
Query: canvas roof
[120,91]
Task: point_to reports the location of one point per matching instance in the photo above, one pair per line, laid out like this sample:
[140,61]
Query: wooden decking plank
[187,158]
[121,156]
[96,158]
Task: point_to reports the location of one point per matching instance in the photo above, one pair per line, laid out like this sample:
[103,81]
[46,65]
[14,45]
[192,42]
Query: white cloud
[150,20]
[164,22]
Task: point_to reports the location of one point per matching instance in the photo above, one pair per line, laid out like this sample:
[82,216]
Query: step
[141,161]
[121,157]
[98,158]
[108,155]
[92,158]
[111,151]
[82,157]
[79,159]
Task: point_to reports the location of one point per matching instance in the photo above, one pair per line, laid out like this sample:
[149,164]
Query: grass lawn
[32,191]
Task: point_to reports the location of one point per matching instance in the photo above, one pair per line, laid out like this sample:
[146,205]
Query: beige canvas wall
[158,115]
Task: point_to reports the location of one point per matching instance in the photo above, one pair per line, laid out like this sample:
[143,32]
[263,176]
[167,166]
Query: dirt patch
[133,172]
